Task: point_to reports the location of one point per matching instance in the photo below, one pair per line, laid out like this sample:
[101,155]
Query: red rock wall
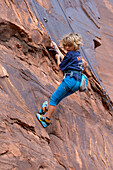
[104,53]
[80,136]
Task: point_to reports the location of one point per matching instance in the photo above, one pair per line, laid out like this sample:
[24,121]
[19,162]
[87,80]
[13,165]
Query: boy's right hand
[53,44]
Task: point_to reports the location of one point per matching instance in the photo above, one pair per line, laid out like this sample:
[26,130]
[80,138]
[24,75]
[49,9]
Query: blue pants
[67,87]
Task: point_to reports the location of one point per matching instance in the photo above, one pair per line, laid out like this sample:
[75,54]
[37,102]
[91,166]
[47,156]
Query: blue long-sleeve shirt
[72,61]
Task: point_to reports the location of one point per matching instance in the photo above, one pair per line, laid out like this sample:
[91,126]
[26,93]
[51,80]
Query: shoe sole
[41,122]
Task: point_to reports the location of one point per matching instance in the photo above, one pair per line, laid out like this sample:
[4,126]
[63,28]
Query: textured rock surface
[104,53]
[81,134]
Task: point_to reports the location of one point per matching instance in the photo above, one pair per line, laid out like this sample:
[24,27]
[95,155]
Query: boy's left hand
[57,56]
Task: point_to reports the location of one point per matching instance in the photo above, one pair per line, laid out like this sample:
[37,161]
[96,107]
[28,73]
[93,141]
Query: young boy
[71,65]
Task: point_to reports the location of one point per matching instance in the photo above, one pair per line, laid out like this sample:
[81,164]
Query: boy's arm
[57,49]
[57,56]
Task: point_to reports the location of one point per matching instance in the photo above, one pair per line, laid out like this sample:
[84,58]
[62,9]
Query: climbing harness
[78,75]
[73,73]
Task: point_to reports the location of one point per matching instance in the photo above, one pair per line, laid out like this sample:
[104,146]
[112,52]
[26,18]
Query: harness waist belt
[73,73]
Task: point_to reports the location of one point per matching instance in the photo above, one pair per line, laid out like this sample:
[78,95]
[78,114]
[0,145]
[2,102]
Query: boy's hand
[53,44]
[57,56]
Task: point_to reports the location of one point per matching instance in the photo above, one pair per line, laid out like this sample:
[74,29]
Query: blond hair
[72,39]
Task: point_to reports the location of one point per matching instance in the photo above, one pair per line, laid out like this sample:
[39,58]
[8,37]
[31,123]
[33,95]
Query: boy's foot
[43,108]
[42,120]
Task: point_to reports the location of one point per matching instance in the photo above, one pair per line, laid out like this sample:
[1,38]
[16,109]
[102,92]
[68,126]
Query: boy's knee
[53,101]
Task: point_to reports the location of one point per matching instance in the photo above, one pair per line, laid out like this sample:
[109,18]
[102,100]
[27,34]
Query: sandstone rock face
[104,53]
[81,133]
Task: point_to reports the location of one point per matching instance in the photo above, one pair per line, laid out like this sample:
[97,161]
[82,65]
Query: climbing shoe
[42,120]
[43,109]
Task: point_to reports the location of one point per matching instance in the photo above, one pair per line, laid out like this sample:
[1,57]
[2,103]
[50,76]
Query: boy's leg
[61,92]
[50,112]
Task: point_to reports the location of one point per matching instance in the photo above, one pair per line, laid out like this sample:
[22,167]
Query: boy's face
[69,48]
